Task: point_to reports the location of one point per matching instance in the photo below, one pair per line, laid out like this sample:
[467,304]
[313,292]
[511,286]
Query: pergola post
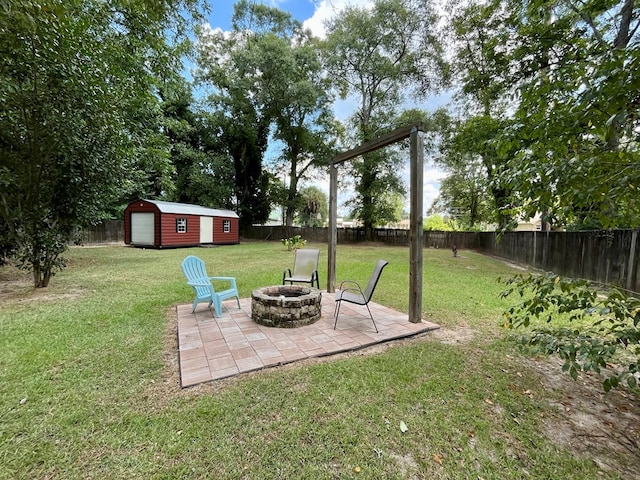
[333,227]
[416,234]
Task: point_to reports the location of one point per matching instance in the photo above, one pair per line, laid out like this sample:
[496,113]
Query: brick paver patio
[213,348]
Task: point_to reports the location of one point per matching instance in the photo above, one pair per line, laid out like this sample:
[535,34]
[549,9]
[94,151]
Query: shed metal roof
[188,209]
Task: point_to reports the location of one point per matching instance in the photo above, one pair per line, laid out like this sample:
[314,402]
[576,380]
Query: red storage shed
[154,223]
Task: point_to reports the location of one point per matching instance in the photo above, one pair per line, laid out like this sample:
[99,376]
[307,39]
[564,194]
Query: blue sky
[222,10]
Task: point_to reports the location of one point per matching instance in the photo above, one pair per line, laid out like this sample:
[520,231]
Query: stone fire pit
[286,306]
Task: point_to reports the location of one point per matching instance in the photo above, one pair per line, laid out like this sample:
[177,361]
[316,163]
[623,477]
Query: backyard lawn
[89,384]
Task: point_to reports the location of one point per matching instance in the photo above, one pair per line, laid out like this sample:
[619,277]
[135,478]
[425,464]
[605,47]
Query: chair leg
[336,312]
[374,323]
[218,306]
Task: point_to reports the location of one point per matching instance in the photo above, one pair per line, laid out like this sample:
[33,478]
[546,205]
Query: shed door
[142,228]
[206,229]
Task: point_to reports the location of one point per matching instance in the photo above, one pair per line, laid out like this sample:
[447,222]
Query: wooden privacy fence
[354,235]
[109,231]
[610,257]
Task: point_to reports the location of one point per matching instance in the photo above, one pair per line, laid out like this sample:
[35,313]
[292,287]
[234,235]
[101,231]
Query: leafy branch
[605,333]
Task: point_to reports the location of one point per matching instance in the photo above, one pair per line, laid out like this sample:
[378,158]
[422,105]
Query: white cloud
[327,9]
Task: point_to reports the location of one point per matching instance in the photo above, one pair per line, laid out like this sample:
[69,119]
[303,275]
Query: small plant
[294,243]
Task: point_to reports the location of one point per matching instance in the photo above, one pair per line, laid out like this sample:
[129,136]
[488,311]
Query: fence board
[609,257]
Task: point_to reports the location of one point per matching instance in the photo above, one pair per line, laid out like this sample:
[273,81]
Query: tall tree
[313,210]
[239,67]
[378,56]
[268,81]
[302,115]
[203,169]
[484,42]
[77,94]
[579,111]
[473,155]
[569,70]
[464,196]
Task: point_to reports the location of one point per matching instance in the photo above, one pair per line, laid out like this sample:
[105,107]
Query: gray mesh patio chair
[353,292]
[305,268]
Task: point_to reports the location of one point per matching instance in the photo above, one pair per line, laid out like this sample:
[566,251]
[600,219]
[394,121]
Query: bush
[294,243]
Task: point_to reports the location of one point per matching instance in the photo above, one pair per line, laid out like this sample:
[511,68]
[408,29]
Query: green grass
[86,389]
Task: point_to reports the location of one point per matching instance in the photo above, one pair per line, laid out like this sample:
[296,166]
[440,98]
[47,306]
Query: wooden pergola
[416,152]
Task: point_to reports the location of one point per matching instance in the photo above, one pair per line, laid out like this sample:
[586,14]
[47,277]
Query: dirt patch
[457,335]
[16,286]
[603,426]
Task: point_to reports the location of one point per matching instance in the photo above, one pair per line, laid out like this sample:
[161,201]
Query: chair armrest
[227,279]
[285,272]
[359,290]
[199,282]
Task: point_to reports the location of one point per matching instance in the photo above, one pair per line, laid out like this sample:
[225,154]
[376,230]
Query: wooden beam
[388,139]
[333,228]
[416,234]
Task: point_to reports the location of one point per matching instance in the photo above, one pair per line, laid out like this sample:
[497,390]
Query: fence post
[632,254]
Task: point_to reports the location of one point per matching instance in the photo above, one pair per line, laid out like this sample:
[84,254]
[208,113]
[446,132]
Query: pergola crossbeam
[380,142]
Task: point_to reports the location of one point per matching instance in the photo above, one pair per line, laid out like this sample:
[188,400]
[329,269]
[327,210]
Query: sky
[313,14]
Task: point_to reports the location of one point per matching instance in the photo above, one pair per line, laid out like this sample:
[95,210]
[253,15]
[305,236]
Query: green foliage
[378,55]
[79,116]
[561,79]
[606,333]
[268,80]
[473,191]
[294,243]
[204,172]
[314,208]
[437,223]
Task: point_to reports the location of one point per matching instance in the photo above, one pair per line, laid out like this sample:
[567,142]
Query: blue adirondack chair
[196,273]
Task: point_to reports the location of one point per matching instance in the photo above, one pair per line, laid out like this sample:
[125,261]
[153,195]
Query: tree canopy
[561,81]
[378,55]
[78,113]
[268,84]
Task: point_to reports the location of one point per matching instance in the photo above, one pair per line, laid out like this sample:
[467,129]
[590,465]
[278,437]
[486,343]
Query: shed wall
[219,235]
[170,237]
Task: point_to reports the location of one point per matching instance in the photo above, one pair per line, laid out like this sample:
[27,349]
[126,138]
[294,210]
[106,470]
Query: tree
[76,87]
[302,114]
[203,169]
[605,330]
[575,128]
[376,56]
[435,222]
[268,80]
[314,207]
[239,67]
[464,195]
[573,155]
[475,186]
[483,44]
